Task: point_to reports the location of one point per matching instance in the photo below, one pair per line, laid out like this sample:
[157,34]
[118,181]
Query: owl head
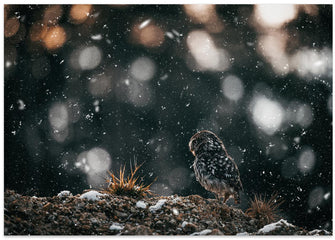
[200,138]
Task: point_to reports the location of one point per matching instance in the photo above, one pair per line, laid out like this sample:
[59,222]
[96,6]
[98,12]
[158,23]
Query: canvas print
[190,119]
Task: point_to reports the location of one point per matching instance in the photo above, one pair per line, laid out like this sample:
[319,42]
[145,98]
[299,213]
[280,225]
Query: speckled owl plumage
[215,170]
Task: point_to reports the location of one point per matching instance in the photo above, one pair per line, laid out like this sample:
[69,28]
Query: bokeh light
[315,197]
[59,121]
[95,163]
[310,63]
[81,162]
[52,15]
[54,38]
[89,58]
[148,34]
[100,85]
[143,69]
[80,12]
[272,46]
[11,27]
[58,116]
[232,88]
[299,113]
[98,160]
[200,13]
[304,115]
[275,15]
[204,14]
[205,53]
[306,160]
[267,114]
[139,95]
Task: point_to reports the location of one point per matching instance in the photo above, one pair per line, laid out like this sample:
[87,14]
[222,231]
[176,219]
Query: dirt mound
[94,213]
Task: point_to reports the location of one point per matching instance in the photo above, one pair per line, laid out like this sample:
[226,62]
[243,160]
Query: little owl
[215,170]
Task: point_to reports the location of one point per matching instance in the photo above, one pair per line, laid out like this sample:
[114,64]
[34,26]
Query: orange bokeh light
[11,27]
[79,13]
[52,14]
[54,38]
[200,13]
[204,14]
[150,36]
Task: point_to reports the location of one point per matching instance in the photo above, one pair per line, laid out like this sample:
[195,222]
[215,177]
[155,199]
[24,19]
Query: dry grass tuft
[266,211]
[127,186]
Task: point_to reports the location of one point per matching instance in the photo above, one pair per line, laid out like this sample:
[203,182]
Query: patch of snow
[184,224]
[317,232]
[272,226]
[64,193]
[203,232]
[157,206]
[116,227]
[175,211]
[242,234]
[141,204]
[92,195]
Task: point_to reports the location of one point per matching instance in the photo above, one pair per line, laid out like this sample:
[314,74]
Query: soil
[121,215]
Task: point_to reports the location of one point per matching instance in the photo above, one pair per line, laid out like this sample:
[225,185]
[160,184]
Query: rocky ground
[93,213]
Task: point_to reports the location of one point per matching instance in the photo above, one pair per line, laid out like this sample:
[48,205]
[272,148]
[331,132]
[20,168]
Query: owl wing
[223,167]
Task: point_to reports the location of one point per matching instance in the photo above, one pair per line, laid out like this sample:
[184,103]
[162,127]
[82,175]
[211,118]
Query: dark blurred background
[89,88]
